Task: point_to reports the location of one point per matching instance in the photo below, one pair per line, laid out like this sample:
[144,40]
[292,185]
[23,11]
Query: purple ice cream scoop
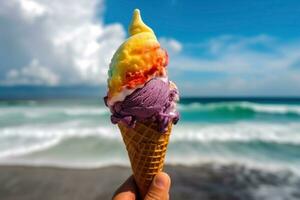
[155,101]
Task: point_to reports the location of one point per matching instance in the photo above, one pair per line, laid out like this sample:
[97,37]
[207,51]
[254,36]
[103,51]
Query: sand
[200,182]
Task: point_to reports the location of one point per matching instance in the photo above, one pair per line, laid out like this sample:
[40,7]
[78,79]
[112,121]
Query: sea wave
[246,107]
[39,112]
[27,149]
[27,139]
[239,131]
[62,132]
[287,133]
[220,110]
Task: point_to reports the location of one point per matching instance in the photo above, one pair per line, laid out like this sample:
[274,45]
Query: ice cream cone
[146,149]
[140,93]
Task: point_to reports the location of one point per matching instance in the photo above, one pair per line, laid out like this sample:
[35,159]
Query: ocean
[77,133]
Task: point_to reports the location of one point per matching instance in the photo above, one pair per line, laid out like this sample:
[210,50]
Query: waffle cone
[146,149]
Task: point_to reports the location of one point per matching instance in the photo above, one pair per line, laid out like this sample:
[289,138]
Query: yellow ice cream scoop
[137,60]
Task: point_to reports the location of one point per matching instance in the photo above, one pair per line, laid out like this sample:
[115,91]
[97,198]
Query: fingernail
[159,181]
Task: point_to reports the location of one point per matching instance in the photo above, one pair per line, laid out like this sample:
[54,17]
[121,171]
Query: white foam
[235,132]
[23,150]
[42,138]
[37,112]
[287,133]
[257,107]
[24,140]
[59,131]
[187,160]
[70,164]
[269,108]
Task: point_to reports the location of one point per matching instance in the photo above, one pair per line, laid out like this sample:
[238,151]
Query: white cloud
[54,42]
[60,39]
[34,74]
[236,54]
[171,45]
[259,65]
[32,9]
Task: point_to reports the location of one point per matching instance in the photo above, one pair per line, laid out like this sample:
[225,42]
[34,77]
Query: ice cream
[142,101]
[154,101]
[138,85]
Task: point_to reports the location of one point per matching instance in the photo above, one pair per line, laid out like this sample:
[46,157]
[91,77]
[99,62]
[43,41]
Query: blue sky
[193,21]
[216,48]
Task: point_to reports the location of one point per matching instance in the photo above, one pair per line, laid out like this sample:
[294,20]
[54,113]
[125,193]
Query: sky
[216,48]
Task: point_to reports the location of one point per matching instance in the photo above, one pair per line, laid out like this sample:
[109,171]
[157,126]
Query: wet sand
[200,182]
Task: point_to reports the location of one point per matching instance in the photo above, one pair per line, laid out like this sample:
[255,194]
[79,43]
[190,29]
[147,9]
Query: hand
[159,189]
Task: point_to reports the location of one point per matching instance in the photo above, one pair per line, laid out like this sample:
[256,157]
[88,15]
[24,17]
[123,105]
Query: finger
[127,191]
[168,196]
[159,188]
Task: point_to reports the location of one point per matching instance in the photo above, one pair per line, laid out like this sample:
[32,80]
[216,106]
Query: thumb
[159,189]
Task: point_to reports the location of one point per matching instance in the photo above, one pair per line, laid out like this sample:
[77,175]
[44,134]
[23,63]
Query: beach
[205,182]
[235,149]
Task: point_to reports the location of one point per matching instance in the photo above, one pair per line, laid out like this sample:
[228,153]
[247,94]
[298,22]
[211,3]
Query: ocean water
[261,133]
